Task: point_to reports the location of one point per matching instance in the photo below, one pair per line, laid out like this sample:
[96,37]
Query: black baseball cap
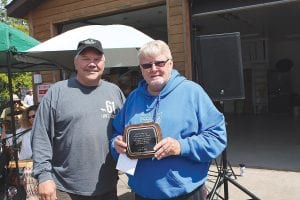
[89,43]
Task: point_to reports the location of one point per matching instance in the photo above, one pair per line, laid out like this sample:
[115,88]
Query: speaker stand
[223,178]
[224,174]
[230,171]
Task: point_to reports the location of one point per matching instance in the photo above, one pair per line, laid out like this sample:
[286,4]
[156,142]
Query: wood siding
[45,18]
[53,12]
[179,35]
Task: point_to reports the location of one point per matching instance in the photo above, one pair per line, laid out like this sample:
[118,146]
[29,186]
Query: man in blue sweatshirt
[193,130]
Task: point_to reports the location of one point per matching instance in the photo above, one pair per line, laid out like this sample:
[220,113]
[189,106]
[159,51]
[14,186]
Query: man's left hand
[167,147]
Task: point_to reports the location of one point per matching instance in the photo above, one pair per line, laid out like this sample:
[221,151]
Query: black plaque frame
[140,139]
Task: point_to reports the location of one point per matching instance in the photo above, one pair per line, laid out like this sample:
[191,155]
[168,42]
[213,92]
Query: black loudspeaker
[219,66]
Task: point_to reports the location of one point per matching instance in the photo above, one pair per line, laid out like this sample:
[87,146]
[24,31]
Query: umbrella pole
[12,111]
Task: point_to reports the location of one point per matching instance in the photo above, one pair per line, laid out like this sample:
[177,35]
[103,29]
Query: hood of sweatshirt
[153,101]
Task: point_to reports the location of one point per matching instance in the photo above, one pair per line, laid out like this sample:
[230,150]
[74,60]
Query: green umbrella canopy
[13,40]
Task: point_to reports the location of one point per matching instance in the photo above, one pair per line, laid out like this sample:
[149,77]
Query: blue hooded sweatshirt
[186,113]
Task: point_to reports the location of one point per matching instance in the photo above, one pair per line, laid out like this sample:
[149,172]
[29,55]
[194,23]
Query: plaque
[141,139]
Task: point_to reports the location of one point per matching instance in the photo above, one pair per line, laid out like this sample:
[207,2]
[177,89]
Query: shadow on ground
[264,142]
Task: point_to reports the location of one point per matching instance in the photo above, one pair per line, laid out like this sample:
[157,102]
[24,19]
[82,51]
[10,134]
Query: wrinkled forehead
[150,53]
[155,58]
[154,52]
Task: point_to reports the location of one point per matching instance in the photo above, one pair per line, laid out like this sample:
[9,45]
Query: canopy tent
[120,44]
[11,37]
[13,41]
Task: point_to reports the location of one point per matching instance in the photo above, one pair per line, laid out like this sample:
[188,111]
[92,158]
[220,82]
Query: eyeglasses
[31,117]
[156,63]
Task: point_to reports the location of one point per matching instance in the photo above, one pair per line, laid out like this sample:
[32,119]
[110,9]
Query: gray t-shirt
[70,137]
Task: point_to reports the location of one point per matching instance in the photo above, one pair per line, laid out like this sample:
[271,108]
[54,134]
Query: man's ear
[75,62]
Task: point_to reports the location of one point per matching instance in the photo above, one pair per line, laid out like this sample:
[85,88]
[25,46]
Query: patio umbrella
[120,44]
[12,41]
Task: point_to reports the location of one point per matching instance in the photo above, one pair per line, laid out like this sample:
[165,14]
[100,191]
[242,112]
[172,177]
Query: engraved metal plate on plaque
[140,139]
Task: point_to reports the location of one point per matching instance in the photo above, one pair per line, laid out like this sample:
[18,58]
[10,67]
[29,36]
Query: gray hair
[155,48]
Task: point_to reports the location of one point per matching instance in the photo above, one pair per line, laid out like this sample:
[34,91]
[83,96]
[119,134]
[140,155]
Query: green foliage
[23,79]
[20,24]
[3,15]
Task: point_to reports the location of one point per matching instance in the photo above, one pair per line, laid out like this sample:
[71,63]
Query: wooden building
[269,34]
[48,18]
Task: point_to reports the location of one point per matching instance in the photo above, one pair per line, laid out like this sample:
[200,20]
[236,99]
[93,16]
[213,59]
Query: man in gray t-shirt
[71,132]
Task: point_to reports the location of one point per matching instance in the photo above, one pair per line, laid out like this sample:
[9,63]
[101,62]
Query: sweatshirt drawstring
[156,109]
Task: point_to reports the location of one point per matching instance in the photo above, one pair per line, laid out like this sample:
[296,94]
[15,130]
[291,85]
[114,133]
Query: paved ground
[265,184]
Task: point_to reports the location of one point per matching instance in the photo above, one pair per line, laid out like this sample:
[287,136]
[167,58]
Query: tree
[20,24]
[19,80]
[22,79]
[3,15]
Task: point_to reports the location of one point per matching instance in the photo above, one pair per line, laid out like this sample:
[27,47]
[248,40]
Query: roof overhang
[21,8]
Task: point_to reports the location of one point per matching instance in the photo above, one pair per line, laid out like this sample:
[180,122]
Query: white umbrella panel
[120,44]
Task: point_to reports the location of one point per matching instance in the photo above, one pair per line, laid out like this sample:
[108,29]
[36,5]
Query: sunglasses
[31,117]
[156,63]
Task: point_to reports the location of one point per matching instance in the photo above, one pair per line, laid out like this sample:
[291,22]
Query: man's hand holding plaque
[140,140]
